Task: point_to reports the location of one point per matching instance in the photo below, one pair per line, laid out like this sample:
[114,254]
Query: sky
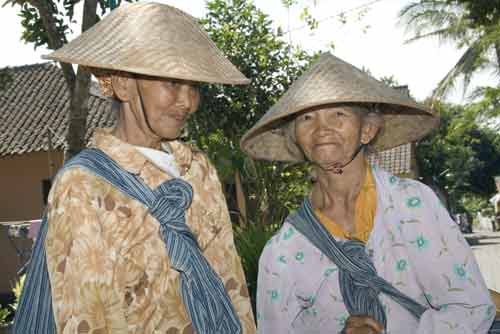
[375,42]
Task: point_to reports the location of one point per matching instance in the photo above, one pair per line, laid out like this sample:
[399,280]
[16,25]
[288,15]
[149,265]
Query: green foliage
[18,288]
[488,105]
[482,13]
[462,157]
[473,203]
[245,35]
[250,242]
[62,16]
[7,313]
[271,189]
[34,31]
[4,315]
[289,3]
[307,17]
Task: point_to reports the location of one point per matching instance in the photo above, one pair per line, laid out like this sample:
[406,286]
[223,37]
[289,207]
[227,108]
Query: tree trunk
[78,85]
[77,126]
[55,39]
[240,199]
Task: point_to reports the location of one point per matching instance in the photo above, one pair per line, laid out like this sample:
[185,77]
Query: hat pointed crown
[151,39]
[332,81]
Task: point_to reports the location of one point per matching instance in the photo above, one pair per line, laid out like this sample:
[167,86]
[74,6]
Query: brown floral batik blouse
[108,266]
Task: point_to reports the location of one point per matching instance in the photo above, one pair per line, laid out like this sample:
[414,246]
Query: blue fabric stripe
[36,293]
[205,298]
[359,282]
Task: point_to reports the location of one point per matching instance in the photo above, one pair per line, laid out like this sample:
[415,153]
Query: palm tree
[450,21]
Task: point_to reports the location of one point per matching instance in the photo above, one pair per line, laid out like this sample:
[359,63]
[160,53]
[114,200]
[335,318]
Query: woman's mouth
[179,117]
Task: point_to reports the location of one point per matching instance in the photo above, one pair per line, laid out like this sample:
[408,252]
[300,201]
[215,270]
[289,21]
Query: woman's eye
[171,84]
[305,117]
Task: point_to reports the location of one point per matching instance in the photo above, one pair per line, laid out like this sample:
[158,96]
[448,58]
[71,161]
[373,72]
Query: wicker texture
[396,160]
[151,39]
[332,81]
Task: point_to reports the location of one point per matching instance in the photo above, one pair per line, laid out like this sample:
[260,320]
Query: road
[486,248]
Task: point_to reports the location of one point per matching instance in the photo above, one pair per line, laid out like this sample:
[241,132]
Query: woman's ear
[120,86]
[369,128]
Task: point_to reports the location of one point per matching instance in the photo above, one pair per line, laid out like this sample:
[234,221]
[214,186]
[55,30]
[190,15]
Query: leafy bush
[473,204]
[250,242]
[7,313]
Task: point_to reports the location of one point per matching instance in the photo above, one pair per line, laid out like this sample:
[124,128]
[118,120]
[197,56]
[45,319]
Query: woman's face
[330,135]
[168,104]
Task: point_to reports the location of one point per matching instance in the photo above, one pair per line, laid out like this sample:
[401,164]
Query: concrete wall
[20,199]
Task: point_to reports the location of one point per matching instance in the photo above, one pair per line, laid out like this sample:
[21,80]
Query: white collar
[164,160]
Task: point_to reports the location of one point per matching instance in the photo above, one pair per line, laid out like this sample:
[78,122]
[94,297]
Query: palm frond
[426,18]
[441,34]
[466,65]
[450,21]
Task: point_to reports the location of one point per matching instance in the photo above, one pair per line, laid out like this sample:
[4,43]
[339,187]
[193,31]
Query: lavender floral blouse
[414,245]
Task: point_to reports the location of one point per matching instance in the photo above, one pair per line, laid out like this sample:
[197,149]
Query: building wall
[20,199]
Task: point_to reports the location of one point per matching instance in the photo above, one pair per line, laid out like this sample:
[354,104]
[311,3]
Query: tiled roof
[396,160]
[37,100]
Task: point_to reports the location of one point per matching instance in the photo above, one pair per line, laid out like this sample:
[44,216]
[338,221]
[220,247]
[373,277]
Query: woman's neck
[333,189]
[129,130]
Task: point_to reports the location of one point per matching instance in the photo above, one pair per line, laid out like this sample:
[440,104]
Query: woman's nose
[327,122]
[185,96]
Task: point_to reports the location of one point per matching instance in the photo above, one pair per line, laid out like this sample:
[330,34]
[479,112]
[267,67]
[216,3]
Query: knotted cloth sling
[359,282]
[207,303]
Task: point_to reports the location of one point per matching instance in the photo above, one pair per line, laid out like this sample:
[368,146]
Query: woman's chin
[327,152]
[327,158]
[328,165]
[168,133]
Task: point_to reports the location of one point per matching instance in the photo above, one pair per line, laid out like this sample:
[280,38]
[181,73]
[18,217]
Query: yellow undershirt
[366,205]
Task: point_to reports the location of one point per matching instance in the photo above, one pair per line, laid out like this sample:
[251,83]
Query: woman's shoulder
[400,184]
[284,241]
[411,200]
[76,178]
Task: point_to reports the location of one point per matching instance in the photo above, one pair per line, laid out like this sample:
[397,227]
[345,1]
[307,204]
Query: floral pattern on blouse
[107,262]
[414,245]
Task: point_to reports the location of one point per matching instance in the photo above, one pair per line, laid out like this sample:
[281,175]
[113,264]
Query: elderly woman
[367,252]
[137,236]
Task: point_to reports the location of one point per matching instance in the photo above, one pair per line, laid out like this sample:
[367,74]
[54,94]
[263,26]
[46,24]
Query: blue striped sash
[207,303]
[359,282]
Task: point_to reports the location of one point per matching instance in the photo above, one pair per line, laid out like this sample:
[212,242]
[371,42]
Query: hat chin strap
[144,110]
[338,167]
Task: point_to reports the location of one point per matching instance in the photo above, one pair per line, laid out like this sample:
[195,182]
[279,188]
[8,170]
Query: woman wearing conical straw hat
[367,252]
[137,237]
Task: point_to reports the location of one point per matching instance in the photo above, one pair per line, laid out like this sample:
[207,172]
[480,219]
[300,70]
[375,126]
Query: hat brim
[330,81]
[402,124]
[151,39]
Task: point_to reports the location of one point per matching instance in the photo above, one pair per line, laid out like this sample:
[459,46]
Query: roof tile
[37,100]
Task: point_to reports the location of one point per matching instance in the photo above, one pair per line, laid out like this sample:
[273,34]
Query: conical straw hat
[151,39]
[332,81]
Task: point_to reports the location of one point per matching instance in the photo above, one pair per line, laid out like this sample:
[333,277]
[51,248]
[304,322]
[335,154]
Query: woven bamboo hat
[331,81]
[151,39]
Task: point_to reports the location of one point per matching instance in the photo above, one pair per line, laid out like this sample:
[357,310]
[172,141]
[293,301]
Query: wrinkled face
[330,135]
[168,104]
